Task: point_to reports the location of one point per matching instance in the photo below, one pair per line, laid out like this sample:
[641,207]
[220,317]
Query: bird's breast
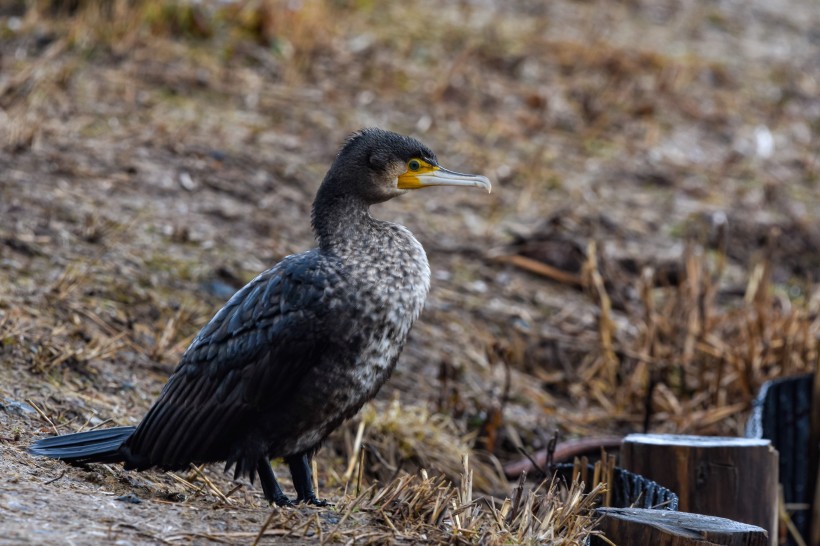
[393,291]
[380,293]
[389,282]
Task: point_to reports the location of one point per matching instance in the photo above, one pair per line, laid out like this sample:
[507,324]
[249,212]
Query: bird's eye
[414,165]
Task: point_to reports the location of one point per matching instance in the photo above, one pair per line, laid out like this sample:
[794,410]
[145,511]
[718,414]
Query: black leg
[273,493]
[303,480]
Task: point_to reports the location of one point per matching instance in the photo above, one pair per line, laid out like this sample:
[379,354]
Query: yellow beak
[431,175]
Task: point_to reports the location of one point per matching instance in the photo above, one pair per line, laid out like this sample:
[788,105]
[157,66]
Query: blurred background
[649,256]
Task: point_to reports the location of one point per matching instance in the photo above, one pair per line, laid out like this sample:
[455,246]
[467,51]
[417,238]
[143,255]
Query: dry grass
[145,142]
[701,363]
[415,507]
[410,437]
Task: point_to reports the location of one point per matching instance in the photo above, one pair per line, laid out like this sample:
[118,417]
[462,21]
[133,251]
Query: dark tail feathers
[93,446]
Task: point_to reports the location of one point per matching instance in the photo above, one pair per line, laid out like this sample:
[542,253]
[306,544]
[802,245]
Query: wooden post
[735,478]
[814,456]
[815,514]
[624,526]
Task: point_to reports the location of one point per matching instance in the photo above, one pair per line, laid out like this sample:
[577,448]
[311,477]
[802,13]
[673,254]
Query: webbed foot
[314,501]
[273,493]
[283,501]
[303,481]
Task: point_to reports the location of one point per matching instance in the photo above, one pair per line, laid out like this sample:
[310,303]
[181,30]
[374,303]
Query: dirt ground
[153,161]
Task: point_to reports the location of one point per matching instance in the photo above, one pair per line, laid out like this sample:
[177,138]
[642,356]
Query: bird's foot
[282,501]
[314,501]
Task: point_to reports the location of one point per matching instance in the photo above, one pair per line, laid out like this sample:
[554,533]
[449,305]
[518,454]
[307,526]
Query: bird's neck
[339,219]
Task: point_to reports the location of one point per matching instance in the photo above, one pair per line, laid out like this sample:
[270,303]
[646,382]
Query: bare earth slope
[149,167]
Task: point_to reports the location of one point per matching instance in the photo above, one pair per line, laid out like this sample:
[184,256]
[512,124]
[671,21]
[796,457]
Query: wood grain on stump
[637,526]
[733,478]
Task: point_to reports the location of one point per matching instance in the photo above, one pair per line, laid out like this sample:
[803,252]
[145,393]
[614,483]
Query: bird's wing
[249,357]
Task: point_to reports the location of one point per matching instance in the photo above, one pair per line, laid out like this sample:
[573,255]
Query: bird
[303,346]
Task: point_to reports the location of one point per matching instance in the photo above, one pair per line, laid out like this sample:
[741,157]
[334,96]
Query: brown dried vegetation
[155,155]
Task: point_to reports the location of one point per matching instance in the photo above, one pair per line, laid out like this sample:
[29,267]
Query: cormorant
[302,346]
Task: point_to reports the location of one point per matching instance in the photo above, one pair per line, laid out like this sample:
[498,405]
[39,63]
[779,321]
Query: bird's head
[378,165]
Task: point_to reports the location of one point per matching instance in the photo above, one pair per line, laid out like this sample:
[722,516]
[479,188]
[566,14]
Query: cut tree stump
[814,456]
[637,526]
[735,478]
